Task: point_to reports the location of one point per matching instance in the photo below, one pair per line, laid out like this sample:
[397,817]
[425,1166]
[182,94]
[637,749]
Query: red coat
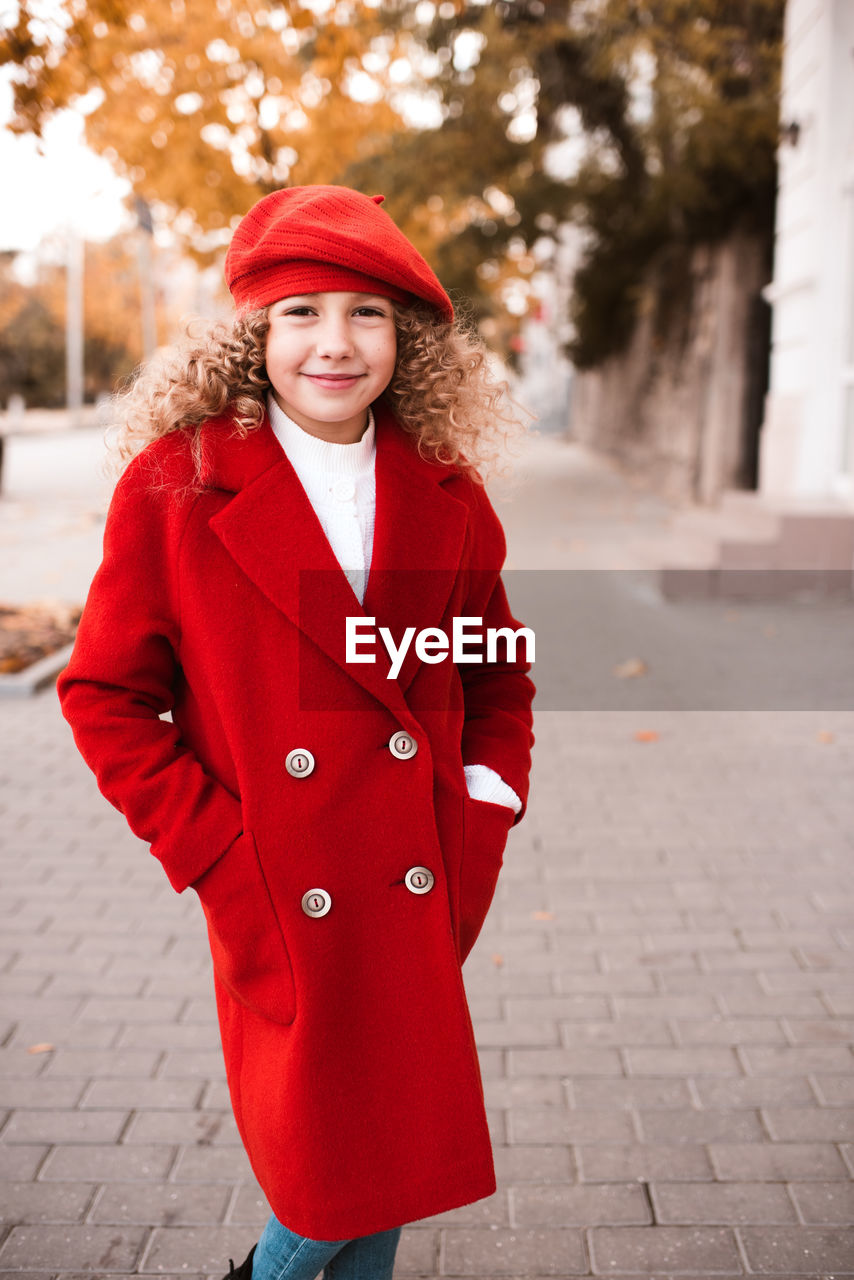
[348,1043]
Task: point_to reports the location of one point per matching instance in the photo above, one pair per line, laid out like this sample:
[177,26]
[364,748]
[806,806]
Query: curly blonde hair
[443,391]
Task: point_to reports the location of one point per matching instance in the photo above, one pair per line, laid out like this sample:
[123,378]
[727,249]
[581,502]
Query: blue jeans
[283,1255]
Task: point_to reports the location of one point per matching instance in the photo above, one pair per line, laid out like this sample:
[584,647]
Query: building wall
[677,406]
[803,448]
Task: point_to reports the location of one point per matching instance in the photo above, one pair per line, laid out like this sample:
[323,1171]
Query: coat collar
[272,532]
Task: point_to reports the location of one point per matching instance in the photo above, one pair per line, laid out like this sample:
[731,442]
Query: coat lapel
[271,531]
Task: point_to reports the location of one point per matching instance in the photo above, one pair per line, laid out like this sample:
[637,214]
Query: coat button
[402,745]
[317,902]
[344,490]
[419,880]
[299,762]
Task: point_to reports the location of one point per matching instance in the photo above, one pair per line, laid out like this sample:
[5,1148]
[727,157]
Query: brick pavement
[663,998]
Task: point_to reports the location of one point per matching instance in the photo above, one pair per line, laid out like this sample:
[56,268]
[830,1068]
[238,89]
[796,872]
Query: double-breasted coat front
[278,790]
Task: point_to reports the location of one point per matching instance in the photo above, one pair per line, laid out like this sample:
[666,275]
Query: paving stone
[809,1124]
[776,1161]
[519,1251]
[107,1164]
[537,1125]
[117,1063]
[90,1248]
[31,1202]
[250,1207]
[622,1031]
[584,1008]
[17,1064]
[71,1035]
[181,1249]
[42,1093]
[831,1091]
[703,1251]
[162,1204]
[700,1126]
[665,1006]
[824,1202]
[583,1206]
[185,1064]
[640,1091]
[535,1164]
[20,1162]
[157,1095]
[524,1091]
[65,1126]
[799,1250]
[623,984]
[722,1204]
[418,1251]
[542,1032]
[721,1030]
[797,1061]
[169,1035]
[564,1062]
[820,1031]
[202,1128]
[638,1163]
[491,1211]
[751,1091]
[212,1164]
[791,1004]
[682,1062]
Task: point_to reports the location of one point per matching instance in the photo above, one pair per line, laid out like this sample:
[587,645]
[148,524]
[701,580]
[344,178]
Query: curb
[23,684]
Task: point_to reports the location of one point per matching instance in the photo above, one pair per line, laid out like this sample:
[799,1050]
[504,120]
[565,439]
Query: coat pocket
[249,953]
[487,826]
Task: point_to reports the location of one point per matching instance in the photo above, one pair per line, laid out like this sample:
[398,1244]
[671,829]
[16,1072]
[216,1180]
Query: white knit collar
[310,452]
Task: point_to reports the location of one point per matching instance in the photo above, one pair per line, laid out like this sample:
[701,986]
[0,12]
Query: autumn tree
[205,106]
[649,123]
[32,326]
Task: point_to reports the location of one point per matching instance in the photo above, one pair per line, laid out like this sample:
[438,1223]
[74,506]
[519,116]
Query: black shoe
[244,1271]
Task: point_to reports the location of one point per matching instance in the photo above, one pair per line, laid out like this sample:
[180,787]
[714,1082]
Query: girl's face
[328,356]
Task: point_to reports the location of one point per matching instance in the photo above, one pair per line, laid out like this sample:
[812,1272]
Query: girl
[342,824]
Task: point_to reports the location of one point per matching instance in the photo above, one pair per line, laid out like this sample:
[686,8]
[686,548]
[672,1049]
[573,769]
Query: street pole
[145,265]
[74,326]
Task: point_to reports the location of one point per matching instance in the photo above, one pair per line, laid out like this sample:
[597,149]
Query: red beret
[325,238]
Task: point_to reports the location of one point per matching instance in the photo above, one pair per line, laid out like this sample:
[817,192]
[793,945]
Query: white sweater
[339,481]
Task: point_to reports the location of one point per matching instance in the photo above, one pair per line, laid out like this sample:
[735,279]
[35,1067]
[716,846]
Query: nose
[333,339]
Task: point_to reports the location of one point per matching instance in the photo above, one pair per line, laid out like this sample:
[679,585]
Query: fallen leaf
[41,1048]
[824,735]
[646,735]
[497,959]
[542,915]
[631,667]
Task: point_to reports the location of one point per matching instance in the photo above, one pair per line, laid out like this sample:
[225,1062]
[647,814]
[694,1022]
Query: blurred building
[807,445]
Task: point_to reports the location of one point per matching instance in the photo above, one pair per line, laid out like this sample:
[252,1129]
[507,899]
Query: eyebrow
[304,297]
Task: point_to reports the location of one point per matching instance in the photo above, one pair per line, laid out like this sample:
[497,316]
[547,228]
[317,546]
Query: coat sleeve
[121,679]
[497,694]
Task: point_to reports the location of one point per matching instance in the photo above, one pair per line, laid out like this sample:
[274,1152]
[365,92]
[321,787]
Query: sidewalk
[663,994]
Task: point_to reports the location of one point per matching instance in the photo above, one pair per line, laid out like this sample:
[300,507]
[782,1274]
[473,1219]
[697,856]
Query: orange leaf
[41,1048]
[646,735]
[824,735]
[542,915]
[497,959]
[631,667]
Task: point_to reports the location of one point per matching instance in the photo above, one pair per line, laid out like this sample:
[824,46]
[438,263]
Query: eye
[298,311]
[368,310]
